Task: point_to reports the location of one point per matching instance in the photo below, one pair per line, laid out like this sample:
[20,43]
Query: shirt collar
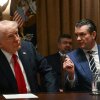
[94,49]
[8,55]
[61,54]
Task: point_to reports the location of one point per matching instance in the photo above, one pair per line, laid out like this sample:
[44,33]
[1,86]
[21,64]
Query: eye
[11,36]
[81,35]
[16,33]
[76,35]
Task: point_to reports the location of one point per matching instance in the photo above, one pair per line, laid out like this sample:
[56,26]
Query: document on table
[16,96]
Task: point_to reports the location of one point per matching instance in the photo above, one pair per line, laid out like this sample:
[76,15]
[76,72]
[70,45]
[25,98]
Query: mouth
[80,43]
[17,44]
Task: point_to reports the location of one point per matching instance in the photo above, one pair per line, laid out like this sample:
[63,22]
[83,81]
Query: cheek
[89,39]
[88,42]
[8,46]
[64,46]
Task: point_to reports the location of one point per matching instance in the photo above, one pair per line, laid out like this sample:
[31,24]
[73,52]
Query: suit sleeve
[47,76]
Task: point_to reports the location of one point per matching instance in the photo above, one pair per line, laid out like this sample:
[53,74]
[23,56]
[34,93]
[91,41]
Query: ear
[94,34]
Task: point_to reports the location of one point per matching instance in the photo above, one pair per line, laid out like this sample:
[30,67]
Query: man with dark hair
[77,65]
[56,60]
[64,43]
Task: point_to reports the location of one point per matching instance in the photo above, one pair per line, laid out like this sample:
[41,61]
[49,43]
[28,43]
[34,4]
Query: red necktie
[19,76]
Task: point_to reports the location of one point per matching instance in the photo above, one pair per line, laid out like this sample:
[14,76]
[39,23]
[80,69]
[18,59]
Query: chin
[82,47]
[17,48]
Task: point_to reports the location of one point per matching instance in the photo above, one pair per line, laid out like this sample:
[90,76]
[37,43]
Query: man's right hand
[68,65]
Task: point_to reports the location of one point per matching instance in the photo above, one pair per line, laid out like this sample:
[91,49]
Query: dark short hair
[90,23]
[65,35]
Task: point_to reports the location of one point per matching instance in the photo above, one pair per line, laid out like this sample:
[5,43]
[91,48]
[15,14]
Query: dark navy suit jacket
[55,61]
[83,74]
[32,63]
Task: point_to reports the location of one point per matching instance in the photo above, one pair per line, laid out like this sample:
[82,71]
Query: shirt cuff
[72,82]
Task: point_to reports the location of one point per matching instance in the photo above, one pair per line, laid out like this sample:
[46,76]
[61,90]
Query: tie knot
[14,56]
[90,52]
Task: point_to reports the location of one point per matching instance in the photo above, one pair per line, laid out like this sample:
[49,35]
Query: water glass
[96,83]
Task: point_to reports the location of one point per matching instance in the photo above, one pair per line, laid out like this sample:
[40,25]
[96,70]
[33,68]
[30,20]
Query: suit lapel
[6,70]
[24,59]
[83,65]
[57,61]
[27,67]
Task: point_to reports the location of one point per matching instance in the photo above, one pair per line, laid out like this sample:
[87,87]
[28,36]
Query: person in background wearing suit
[14,52]
[55,60]
[77,65]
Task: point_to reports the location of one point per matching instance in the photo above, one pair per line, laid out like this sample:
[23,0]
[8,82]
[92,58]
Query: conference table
[61,96]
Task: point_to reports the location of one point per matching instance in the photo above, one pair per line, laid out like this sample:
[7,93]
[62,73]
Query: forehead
[9,32]
[12,30]
[81,29]
[65,40]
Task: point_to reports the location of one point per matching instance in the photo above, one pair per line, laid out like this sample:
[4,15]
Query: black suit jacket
[55,61]
[32,63]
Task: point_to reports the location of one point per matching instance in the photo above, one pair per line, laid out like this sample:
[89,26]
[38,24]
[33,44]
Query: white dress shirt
[95,56]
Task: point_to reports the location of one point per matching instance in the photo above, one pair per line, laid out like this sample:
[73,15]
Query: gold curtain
[55,17]
[48,25]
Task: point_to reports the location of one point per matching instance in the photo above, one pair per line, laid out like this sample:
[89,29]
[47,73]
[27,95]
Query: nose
[16,37]
[78,38]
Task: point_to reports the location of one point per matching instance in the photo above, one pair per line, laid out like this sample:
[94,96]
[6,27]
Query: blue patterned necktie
[92,62]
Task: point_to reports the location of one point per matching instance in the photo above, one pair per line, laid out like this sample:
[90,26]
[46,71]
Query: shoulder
[26,44]
[76,54]
[27,47]
[53,58]
[55,55]
[98,46]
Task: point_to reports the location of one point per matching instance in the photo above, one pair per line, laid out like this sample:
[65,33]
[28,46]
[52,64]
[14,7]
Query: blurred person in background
[56,60]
